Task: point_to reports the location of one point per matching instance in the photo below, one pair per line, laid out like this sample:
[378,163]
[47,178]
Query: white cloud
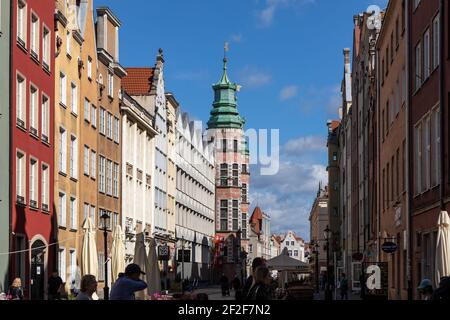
[266,15]
[191,75]
[288,92]
[305,144]
[236,38]
[252,77]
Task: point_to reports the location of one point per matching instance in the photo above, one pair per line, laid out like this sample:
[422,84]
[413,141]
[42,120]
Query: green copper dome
[224,113]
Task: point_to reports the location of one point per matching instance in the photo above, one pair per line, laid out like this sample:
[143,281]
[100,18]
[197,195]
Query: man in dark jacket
[249,282]
[54,285]
[225,285]
[443,292]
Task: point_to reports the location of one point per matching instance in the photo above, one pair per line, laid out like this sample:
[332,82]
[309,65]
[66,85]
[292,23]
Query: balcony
[33,204]
[20,200]
[33,131]
[20,123]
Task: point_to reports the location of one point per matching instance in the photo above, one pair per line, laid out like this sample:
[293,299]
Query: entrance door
[37,270]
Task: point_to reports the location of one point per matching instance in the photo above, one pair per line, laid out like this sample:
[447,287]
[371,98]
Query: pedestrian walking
[225,285]
[88,287]
[443,292]
[425,289]
[237,288]
[257,262]
[260,290]
[54,286]
[343,286]
[128,283]
[15,291]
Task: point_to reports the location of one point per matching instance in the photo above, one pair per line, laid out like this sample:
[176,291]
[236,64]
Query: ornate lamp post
[105,220]
[327,235]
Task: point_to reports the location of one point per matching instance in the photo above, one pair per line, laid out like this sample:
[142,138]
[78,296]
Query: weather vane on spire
[225,50]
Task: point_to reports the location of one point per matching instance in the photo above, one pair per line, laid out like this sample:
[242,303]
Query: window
[33,110]
[33,183]
[435,146]
[293,243]
[86,109]
[68,44]
[235,215]
[109,125]
[62,150]
[436,42]
[62,89]
[244,193]
[290,253]
[244,225]
[20,101]
[397,173]
[45,188]
[235,175]
[62,209]
[92,216]
[115,220]
[86,161]
[295,253]
[384,189]
[392,47]
[426,54]
[116,130]
[62,263]
[22,22]
[384,127]
[396,33]
[89,68]
[73,265]
[86,207]
[224,145]
[93,116]
[46,49]
[109,177]
[418,64]
[45,121]
[116,180]
[73,157]
[388,184]
[102,121]
[235,145]
[223,215]
[110,85]
[416,4]
[101,172]
[418,158]
[426,152]
[244,168]
[74,98]
[93,164]
[20,177]
[73,213]
[223,174]
[35,36]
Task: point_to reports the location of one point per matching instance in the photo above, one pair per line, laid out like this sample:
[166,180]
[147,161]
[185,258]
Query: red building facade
[429,92]
[32,144]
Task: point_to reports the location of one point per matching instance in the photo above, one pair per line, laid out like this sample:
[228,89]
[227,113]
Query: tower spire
[225,79]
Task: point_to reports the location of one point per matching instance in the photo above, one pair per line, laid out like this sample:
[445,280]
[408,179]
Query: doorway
[37,270]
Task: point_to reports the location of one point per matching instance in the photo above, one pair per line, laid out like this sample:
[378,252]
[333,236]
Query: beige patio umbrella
[117,253]
[154,282]
[140,258]
[443,248]
[89,258]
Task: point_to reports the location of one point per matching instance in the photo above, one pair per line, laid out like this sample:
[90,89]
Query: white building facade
[295,246]
[195,200]
[138,170]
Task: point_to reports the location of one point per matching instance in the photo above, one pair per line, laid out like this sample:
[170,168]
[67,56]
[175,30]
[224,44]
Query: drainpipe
[409,181]
[11,235]
[378,234]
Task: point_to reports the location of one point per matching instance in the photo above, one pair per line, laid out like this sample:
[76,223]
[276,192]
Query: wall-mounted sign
[375,280]
[389,247]
[164,253]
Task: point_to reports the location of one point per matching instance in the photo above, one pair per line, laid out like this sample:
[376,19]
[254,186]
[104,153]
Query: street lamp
[327,236]
[105,219]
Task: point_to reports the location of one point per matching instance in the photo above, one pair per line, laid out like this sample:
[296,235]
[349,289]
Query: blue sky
[286,54]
